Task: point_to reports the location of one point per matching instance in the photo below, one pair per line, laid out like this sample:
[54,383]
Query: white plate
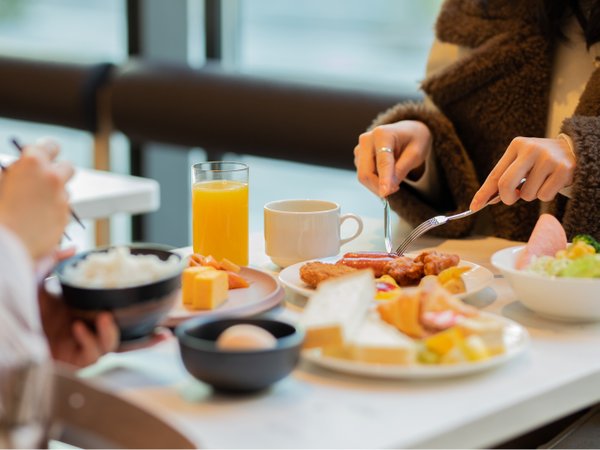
[263,294]
[475,279]
[516,341]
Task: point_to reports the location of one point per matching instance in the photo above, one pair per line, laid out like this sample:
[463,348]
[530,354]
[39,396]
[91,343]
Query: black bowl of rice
[138,284]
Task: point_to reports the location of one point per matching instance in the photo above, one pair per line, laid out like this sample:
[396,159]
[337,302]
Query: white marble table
[97,194]
[316,408]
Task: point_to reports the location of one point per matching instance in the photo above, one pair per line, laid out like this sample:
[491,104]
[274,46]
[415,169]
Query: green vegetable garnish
[587,239]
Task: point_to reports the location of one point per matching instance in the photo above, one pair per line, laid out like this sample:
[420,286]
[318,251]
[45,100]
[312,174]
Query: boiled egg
[245,337]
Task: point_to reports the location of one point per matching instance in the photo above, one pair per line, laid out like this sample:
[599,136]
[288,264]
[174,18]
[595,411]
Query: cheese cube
[210,289]
[187,283]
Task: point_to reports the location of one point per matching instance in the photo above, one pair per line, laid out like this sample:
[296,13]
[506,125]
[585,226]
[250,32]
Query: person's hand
[548,165]
[159,335]
[382,171]
[70,340]
[33,200]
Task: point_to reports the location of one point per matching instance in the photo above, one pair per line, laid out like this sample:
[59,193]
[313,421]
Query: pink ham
[547,238]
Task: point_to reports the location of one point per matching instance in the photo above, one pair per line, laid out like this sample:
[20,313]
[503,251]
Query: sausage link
[378,265]
[369,255]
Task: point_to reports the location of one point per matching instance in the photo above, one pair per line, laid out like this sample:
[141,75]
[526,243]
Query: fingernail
[47,143]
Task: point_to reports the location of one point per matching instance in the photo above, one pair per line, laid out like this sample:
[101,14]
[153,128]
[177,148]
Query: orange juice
[220,219]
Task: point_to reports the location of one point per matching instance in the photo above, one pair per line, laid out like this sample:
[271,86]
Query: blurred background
[366,45]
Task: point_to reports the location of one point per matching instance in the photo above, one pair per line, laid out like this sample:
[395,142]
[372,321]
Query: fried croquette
[434,262]
[313,273]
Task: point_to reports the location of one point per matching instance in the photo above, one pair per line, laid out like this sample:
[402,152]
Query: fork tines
[414,234]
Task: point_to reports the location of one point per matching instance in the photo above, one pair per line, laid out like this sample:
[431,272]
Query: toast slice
[377,342]
[336,310]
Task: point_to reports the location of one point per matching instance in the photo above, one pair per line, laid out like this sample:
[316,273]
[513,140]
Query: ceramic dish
[569,299]
[264,293]
[137,309]
[238,370]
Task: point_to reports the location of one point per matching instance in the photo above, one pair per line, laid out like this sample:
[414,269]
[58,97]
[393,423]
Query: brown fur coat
[497,92]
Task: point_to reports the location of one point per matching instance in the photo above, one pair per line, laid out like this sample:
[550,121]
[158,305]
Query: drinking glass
[220,210]
[25,403]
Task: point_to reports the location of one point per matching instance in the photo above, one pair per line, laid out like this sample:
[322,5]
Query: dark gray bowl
[238,371]
[136,309]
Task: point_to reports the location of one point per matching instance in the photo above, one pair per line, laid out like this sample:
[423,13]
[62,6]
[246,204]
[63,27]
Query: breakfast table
[313,407]
[96,194]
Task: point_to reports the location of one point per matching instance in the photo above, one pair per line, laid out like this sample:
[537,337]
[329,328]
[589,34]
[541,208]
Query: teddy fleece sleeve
[581,214]
[457,176]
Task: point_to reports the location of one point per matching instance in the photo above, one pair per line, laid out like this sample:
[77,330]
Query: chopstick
[75,216]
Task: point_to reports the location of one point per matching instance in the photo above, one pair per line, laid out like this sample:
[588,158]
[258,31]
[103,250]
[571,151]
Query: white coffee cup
[299,230]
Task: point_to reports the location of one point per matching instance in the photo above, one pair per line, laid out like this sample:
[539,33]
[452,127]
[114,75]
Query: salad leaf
[587,266]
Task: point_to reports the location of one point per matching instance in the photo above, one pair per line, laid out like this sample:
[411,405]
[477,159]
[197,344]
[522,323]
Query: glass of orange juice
[220,210]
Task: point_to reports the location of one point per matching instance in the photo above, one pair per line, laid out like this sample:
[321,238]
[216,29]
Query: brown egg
[245,337]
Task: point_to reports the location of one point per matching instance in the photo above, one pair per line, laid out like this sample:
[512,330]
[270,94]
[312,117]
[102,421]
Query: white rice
[118,268]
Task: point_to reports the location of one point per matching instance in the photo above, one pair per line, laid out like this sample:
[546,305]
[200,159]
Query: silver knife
[387,226]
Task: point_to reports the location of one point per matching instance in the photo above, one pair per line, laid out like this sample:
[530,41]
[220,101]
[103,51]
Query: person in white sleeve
[34,327]
[34,211]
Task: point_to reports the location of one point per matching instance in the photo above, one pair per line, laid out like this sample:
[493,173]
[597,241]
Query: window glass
[79,31]
[72,30]
[76,31]
[374,44]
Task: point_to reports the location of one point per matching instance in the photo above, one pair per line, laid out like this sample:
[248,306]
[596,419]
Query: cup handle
[359,228]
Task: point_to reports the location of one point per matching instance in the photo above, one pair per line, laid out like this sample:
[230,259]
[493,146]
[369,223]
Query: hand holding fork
[441,220]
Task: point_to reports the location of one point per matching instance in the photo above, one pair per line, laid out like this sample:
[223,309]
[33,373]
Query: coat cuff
[581,211]
[457,173]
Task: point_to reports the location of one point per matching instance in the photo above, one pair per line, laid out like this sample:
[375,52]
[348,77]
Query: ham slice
[547,238]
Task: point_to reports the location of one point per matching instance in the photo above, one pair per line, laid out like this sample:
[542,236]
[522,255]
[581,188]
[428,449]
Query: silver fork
[441,220]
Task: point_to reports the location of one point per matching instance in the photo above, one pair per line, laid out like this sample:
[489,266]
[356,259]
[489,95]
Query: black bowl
[238,371]
[136,309]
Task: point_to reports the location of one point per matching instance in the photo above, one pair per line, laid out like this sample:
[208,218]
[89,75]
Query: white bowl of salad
[559,283]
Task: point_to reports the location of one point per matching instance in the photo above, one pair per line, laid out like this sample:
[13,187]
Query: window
[71,30]
[370,44]
[74,31]
[366,44]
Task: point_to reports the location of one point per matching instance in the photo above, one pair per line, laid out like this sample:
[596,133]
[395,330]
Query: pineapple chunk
[579,249]
[474,348]
[452,280]
[443,342]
